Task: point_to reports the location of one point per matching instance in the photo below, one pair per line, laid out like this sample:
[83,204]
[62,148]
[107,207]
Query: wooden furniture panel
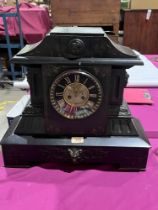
[86,13]
[139,33]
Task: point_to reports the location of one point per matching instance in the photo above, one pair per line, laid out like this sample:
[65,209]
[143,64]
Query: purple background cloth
[147,114]
[40,188]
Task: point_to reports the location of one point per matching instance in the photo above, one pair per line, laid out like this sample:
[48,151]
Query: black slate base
[122,152]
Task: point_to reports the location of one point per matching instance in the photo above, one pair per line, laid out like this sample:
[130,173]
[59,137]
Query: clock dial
[75,94]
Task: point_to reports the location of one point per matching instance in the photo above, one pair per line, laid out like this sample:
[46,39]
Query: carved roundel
[76,47]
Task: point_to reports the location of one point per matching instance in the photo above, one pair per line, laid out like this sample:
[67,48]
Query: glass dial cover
[76,94]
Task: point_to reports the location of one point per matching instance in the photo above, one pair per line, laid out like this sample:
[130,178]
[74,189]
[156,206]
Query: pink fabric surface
[147,114]
[34,19]
[153,59]
[38,188]
[137,96]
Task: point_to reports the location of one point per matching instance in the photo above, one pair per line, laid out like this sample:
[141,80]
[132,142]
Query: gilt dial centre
[76,94]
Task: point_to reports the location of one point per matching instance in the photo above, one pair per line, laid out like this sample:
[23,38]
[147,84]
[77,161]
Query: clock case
[111,135]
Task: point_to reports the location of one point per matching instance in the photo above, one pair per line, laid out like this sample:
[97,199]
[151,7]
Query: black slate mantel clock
[76,114]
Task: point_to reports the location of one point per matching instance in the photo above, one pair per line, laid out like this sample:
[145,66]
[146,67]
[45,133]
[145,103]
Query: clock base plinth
[122,152]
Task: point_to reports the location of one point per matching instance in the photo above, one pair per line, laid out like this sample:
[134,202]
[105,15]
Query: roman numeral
[77,78]
[93,95]
[62,86]
[61,103]
[59,94]
[90,103]
[67,79]
[85,81]
[92,87]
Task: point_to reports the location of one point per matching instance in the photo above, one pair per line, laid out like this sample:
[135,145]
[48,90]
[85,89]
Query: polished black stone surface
[122,152]
[111,135]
